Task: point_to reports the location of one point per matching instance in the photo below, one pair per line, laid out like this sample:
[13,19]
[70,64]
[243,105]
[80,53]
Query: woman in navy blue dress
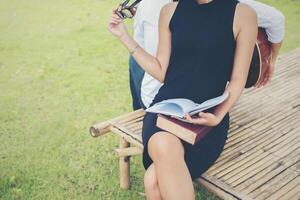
[203,44]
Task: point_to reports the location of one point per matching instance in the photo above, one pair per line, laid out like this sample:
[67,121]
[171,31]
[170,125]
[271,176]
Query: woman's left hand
[207,119]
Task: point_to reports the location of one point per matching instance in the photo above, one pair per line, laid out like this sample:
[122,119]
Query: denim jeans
[136,74]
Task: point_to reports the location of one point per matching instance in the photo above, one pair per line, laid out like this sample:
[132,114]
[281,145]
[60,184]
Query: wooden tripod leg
[124,164]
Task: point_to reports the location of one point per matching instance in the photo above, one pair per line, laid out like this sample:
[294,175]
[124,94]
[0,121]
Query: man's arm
[273,21]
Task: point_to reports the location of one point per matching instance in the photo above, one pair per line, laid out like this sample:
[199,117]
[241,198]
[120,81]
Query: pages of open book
[179,106]
[209,103]
[176,107]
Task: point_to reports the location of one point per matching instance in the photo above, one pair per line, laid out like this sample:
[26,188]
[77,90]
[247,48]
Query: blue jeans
[136,74]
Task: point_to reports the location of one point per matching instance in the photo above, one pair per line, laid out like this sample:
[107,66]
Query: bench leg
[124,164]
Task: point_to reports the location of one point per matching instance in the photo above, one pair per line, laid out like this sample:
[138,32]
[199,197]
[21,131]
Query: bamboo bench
[261,158]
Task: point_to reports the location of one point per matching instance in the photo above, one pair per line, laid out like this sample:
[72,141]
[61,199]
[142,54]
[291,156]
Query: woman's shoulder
[245,11]
[169,8]
[245,20]
[167,11]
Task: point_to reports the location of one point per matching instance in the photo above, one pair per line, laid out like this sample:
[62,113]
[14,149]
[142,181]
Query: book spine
[173,128]
[204,132]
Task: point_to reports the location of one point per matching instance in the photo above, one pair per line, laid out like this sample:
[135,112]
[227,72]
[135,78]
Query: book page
[209,103]
[179,106]
[166,108]
[185,104]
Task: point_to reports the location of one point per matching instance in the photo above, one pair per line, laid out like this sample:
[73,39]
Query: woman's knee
[164,145]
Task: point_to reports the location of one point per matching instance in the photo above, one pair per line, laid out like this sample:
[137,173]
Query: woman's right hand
[116,25]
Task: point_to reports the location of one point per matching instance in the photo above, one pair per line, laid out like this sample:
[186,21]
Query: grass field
[60,71]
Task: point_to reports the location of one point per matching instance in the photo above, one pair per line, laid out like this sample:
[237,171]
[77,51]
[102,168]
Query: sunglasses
[127,11]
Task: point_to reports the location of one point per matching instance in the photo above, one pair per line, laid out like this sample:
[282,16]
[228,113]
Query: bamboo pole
[101,128]
[215,189]
[130,151]
[124,164]
[128,137]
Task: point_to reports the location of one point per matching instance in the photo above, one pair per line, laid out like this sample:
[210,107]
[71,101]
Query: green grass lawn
[60,71]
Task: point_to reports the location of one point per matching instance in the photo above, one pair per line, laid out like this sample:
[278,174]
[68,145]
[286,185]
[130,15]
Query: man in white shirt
[144,87]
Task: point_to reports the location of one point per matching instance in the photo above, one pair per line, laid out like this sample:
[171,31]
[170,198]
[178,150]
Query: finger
[188,117]
[205,114]
[115,10]
[266,79]
[114,21]
[261,85]
[200,121]
[113,24]
[263,81]
[270,77]
[259,81]
[115,15]
[116,18]
[201,114]
[257,85]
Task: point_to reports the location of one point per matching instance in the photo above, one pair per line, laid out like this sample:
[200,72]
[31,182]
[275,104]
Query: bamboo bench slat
[285,189]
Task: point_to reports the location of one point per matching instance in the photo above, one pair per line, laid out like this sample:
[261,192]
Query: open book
[179,106]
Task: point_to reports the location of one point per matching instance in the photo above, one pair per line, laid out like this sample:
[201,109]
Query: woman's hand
[116,25]
[207,119]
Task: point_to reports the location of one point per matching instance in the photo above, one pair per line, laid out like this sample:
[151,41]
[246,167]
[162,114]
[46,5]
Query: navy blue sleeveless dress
[201,62]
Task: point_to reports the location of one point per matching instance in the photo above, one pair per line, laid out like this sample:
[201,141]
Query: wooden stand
[124,164]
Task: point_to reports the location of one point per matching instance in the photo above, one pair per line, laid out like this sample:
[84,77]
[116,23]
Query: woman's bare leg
[151,184]
[173,177]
